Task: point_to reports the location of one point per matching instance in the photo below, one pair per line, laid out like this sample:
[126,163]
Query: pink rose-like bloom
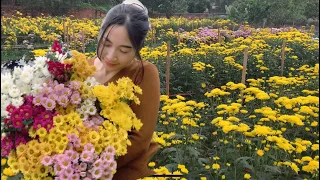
[47,160]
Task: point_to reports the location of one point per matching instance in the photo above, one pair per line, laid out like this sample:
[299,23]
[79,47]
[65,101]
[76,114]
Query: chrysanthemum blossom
[47,160]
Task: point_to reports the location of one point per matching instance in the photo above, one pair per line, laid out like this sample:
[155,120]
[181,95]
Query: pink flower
[96,173]
[75,176]
[83,166]
[47,160]
[77,143]
[57,169]
[17,122]
[98,164]
[107,175]
[72,137]
[65,162]
[58,89]
[110,150]
[75,98]
[10,108]
[83,174]
[75,85]
[63,100]
[49,104]
[89,147]
[53,96]
[46,90]
[66,91]
[86,156]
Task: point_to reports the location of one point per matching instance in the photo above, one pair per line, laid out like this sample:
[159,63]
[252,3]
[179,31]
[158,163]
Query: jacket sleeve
[147,112]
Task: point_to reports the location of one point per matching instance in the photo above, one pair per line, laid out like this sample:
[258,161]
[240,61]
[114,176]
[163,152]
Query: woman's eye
[124,52]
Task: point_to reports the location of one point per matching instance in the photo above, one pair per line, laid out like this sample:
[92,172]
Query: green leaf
[203,161]
[272,169]
[243,161]
[27,121]
[169,150]
[193,152]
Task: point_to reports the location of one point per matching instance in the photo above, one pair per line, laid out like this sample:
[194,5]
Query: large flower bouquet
[59,123]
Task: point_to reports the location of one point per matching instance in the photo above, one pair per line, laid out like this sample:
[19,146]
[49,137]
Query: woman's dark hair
[136,21]
[134,18]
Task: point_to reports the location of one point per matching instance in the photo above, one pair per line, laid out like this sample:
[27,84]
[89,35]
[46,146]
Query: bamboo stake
[244,69]
[168,68]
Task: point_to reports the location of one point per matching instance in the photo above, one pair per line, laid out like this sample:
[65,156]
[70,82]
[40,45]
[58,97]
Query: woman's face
[116,49]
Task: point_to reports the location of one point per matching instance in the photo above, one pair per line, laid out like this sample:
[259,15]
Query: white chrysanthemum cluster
[25,80]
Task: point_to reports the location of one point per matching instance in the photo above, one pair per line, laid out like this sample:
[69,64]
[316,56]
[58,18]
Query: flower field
[212,126]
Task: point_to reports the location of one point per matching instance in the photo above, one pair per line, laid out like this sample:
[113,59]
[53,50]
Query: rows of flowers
[59,123]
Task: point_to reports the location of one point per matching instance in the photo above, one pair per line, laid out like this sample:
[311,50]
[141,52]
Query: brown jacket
[133,165]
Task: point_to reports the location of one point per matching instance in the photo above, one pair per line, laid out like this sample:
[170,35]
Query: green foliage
[276,12]
[197,6]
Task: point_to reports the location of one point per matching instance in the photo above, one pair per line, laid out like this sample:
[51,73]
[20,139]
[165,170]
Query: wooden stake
[219,35]
[64,31]
[282,55]
[168,68]
[244,69]
[178,37]
[83,42]
[67,37]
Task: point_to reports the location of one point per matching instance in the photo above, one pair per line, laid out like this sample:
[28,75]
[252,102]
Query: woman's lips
[110,64]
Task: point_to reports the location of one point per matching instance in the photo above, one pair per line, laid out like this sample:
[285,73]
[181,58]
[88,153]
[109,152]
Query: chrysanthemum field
[212,126]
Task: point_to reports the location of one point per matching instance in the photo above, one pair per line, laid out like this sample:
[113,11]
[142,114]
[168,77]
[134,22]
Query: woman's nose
[111,55]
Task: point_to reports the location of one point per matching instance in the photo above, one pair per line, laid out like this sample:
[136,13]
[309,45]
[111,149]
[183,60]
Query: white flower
[27,74]
[87,102]
[45,71]
[5,87]
[63,57]
[6,77]
[14,92]
[40,62]
[91,82]
[24,88]
[17,101]
[91,110]
[17,72]
[36,89]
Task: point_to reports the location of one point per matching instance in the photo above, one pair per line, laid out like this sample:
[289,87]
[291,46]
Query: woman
[120,39]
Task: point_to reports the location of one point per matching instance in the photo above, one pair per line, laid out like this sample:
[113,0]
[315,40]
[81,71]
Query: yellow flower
[8,172]
[223,177]
[151,164]
[41,132]
[260,152]
[247,176]
[3,161]
[215,166]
